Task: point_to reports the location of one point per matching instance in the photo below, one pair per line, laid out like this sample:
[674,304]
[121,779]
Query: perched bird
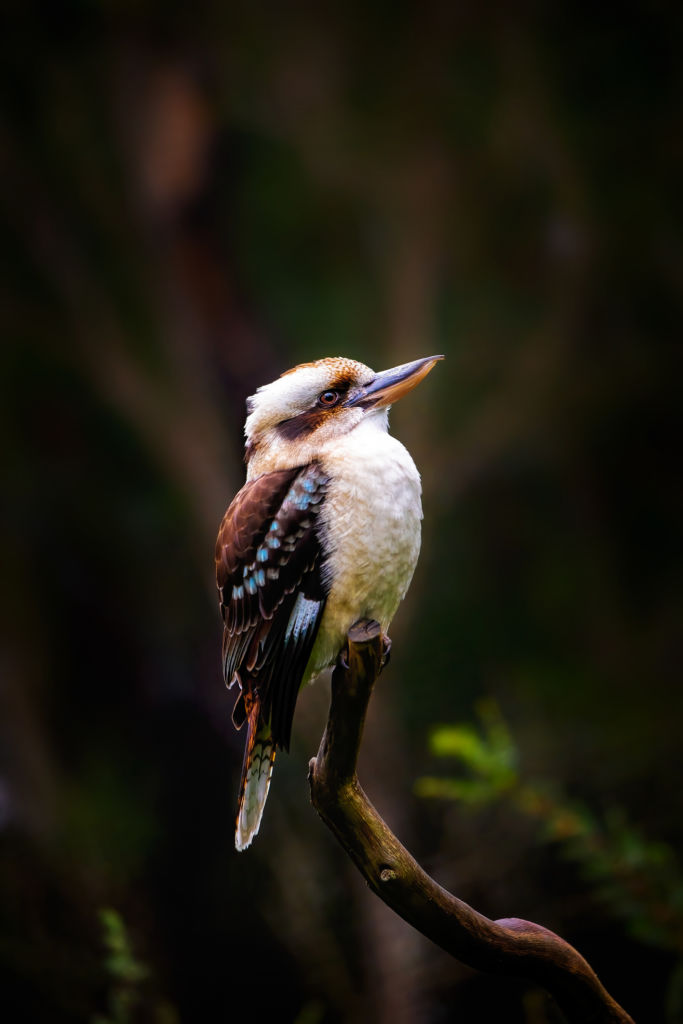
[325,531]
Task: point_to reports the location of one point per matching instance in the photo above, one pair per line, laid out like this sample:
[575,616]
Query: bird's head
[291,420]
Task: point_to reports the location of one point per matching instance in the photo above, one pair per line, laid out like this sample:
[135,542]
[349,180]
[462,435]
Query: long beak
[390,385]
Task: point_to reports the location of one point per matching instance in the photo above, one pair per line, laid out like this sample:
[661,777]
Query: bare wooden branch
[508,946]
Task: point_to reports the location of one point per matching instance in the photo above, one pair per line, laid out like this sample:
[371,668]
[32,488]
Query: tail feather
[259,756]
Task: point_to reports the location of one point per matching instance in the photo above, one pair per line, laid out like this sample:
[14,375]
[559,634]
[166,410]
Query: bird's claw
[386,651]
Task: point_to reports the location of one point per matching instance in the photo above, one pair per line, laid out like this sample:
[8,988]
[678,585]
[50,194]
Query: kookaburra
[325,531]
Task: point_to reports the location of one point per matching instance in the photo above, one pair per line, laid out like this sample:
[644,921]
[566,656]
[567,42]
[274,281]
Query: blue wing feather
[269,559]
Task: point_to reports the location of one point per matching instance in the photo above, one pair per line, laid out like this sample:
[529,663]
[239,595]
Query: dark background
[195,199]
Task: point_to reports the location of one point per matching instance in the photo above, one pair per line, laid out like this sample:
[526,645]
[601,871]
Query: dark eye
[328,398]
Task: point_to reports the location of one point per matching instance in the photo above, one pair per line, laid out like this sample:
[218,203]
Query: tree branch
[507,946]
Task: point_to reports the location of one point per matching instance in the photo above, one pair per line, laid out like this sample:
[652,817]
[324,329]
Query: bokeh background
[195,198]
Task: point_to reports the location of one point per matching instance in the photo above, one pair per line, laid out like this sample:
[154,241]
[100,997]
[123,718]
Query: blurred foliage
[125,971]
[638,879]
[127,975]
[194,198]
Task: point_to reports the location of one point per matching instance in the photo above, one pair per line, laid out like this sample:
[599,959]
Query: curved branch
[507,946]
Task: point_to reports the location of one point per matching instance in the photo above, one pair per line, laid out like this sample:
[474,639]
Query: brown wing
[272,590]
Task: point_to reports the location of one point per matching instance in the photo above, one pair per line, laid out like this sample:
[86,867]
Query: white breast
[371,522]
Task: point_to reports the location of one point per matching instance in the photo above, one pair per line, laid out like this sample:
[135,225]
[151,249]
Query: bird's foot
[364,630]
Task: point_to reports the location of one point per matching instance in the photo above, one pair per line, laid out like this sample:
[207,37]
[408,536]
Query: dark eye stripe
[306,422]
[302,425]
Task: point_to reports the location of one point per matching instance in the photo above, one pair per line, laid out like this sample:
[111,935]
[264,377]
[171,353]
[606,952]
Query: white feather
[257,784]
[371,519]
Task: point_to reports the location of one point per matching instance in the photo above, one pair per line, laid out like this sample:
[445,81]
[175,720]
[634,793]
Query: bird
[325,532]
